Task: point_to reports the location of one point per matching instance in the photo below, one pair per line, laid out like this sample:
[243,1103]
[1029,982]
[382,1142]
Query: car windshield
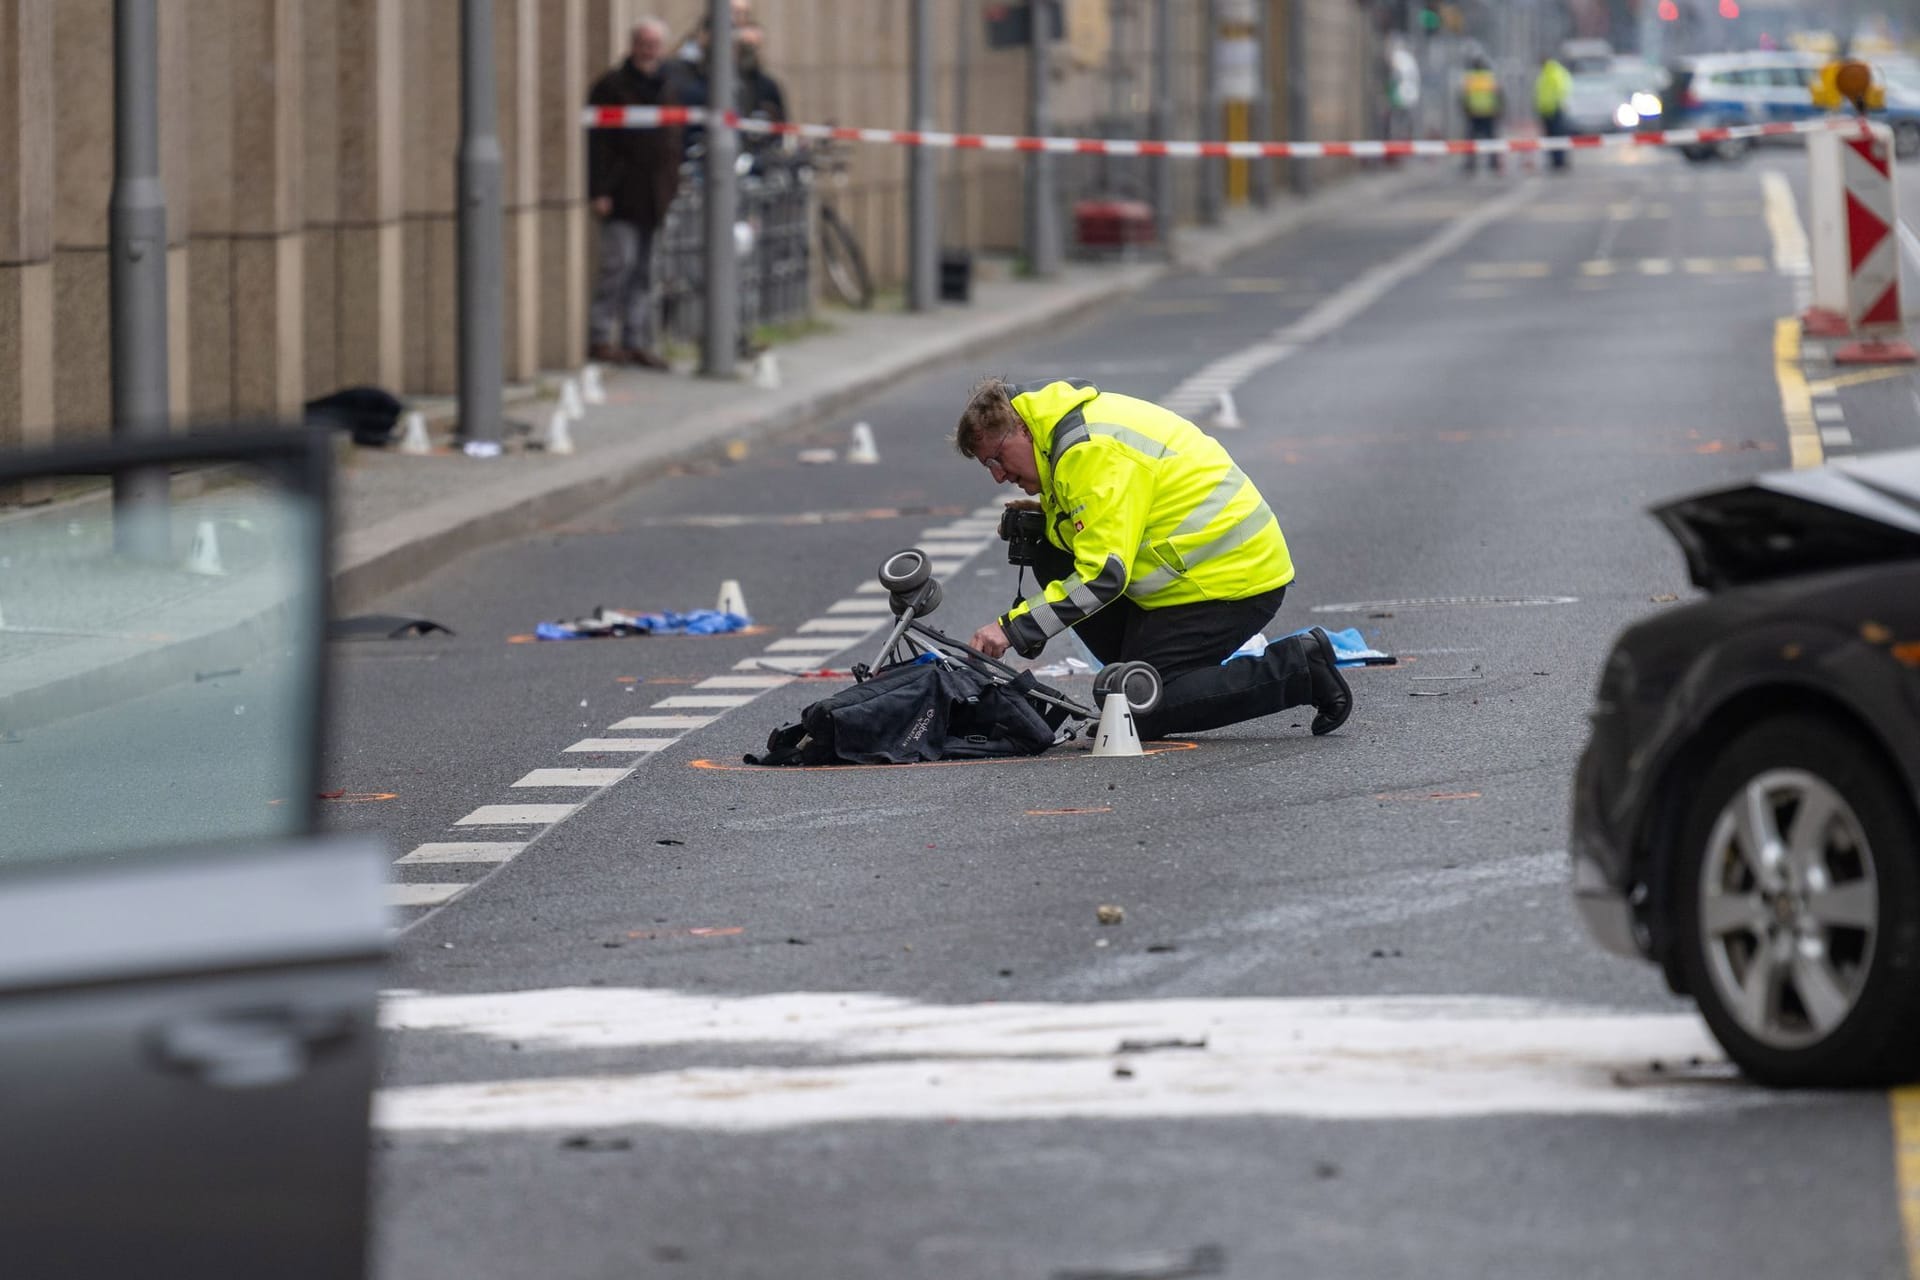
[154,693]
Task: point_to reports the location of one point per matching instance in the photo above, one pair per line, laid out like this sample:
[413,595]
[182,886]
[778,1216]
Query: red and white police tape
[656,117]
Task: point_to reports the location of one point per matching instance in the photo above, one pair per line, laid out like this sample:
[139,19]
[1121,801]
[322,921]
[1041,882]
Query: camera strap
[1019,584]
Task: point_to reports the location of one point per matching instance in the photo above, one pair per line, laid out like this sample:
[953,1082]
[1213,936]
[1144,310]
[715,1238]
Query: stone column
[205,210]
[371,241]
[82,185]
[322,38]
[26,225]
[431,112]
[517,28]
[564,79]
[269,349]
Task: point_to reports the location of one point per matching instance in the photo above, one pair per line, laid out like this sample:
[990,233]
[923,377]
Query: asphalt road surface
[691,1018]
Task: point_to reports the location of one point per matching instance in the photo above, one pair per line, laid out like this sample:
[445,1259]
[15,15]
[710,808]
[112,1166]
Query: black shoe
[1331,696]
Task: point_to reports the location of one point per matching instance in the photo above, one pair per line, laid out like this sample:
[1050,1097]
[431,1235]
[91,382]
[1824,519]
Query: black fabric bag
[914,712]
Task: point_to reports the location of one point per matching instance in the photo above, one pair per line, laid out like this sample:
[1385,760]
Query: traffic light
[1729,8]
[1669,11]
[1429,18]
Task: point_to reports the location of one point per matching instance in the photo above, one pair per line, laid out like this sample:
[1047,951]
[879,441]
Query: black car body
[1747,811]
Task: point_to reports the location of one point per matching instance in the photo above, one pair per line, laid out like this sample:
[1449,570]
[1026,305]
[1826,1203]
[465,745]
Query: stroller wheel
[905,570]
[1137,682]
[923,599]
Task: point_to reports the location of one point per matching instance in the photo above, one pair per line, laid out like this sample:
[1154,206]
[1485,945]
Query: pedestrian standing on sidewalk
[1159,549]
[1484,103]
[632,175]
[1550,92]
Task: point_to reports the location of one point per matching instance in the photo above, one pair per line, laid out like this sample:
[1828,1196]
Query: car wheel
[1697,153]
[1795,906]
[1732,148]
[1906,139]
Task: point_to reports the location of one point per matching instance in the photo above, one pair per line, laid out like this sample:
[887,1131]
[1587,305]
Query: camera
[1023,530]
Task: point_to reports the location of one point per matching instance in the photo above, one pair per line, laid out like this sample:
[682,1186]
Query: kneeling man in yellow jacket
[1161,550]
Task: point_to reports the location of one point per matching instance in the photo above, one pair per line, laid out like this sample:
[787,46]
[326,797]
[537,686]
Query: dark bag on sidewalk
[913,712]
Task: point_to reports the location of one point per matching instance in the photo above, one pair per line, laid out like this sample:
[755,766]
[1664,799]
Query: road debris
[1206,1260]
[1108,913]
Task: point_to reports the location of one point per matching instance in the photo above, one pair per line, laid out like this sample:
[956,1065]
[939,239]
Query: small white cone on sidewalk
[731,599]
[592,390]
[414,438]
[1226,414]
[559,433]
[1116,735]
[204,558]
[863,452]
[570,403]
[766,371]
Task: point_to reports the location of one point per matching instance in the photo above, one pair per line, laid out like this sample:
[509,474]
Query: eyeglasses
[996,459]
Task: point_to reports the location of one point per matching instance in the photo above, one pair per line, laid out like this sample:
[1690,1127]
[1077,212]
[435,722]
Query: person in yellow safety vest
[1550,101]
[1160,550]
[1484,103]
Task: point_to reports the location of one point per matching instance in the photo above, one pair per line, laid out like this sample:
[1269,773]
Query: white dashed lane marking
[724,700]
[951,548]
[860,606]
[1838,437]
[516,815]
[481,851]
[818,644]
[848,626]
[421,895]
[1828,411]
[743,682]
[663,722]
[573,777]
[610,745]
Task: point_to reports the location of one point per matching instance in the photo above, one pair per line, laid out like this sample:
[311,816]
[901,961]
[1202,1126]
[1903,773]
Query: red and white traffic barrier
[1373,149]
[1856,251]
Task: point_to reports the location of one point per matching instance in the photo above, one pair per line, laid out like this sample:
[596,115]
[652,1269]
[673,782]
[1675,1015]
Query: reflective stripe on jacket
[1150,507]
[1481,92]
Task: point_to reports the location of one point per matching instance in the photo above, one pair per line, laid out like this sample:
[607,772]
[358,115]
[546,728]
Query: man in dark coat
[631,177]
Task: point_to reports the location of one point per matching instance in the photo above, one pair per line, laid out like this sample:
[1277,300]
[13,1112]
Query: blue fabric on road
[1350,649]
[609,622]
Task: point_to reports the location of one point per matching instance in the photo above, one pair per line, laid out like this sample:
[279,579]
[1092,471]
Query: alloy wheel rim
[1788,907]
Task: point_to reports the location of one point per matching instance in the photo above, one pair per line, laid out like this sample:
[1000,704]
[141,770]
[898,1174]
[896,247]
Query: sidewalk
[401,517]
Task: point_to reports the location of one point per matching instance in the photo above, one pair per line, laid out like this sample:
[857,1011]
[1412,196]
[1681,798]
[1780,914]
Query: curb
[371,562]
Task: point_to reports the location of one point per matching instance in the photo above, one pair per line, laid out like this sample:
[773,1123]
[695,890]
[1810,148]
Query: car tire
[1812,979]
[1697,153]
[1906,139]
[1732,148]
[904,570]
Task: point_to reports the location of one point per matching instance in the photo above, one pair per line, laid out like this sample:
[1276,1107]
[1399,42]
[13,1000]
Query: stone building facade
[308,152]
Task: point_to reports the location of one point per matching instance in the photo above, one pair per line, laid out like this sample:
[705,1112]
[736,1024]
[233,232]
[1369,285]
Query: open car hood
[1784,523]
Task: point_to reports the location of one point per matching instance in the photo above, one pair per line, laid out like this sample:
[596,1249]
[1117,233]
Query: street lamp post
[1043,217]
[482,327]
[721,333]
[137,232]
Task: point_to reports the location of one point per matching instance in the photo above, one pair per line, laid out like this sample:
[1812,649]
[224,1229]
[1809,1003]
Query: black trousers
[1186,644]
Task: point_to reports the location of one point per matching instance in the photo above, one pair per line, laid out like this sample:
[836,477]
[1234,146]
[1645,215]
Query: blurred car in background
[1740,88]
[1746,814]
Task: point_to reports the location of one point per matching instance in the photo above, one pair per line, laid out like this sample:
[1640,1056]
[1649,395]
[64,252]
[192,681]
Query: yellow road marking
[1623,210]
[1598,267]
[1749,263]
[1796,400]
[1906,1169]
[1700,266]
[1656,266]
[1827,386]
[1507,270]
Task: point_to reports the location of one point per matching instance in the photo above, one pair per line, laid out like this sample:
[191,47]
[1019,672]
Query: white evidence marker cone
[570,400]
[591,388]
[414,438]
[863,452]
[1116,735]
[731,599]
[766,371]
[559,434]
[205,556]
[1226,414]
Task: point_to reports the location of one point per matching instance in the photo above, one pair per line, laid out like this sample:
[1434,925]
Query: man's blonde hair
[988,416]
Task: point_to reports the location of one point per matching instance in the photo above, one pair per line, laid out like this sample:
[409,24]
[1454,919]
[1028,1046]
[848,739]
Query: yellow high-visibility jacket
[1480,91]
[1150,506]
